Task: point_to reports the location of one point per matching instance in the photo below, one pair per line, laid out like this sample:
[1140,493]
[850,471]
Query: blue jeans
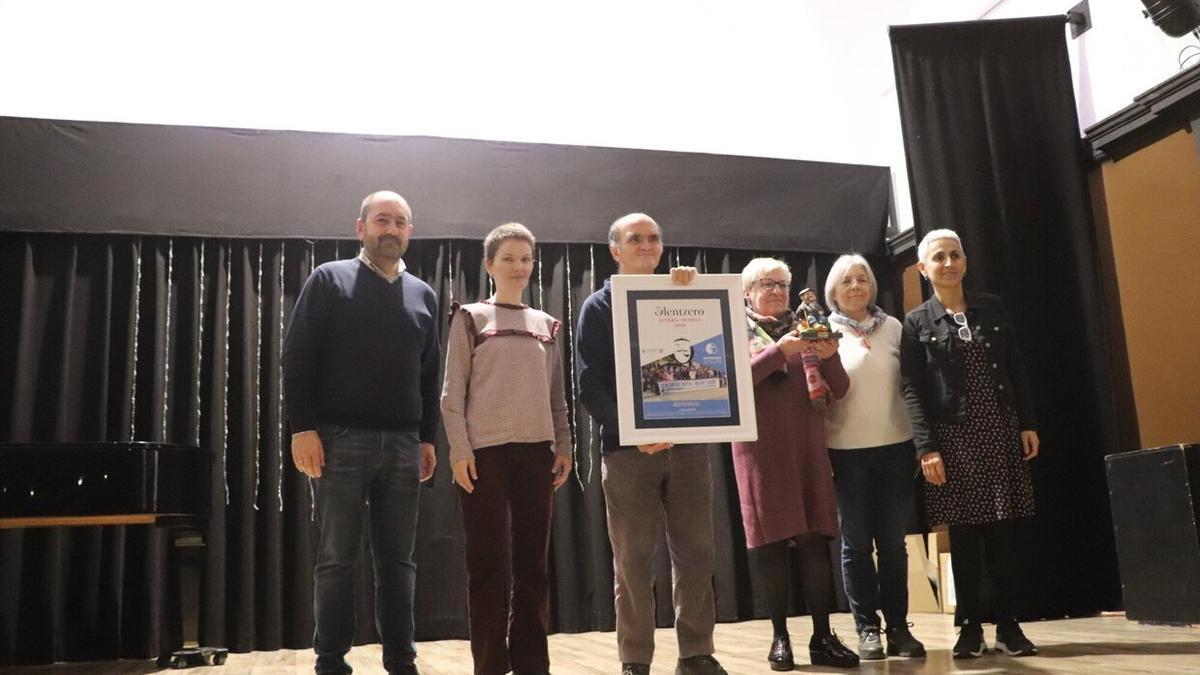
[373,477]
[875,508]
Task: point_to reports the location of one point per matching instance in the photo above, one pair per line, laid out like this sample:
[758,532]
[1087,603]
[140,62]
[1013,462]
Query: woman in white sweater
[870,448]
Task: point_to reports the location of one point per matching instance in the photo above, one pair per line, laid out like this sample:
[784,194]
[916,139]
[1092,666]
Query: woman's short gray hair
[760,267]
[841,267]
[934,235]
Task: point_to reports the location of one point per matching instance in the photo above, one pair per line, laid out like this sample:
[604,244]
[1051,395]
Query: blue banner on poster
[673,410]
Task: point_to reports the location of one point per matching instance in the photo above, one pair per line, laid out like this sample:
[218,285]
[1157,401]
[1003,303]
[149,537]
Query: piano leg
[186,559]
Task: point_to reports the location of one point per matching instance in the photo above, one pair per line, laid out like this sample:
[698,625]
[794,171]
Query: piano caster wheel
[194,656]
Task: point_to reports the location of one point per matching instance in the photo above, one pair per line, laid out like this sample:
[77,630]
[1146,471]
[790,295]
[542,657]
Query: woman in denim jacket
[973,422]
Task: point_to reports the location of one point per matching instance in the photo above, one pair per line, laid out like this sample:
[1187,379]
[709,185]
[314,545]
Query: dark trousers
[875,508]
[508,515]
[642,493]
[970,547]
[370,477]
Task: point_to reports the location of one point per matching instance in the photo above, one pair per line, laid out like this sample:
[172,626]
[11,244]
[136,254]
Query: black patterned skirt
[986,478]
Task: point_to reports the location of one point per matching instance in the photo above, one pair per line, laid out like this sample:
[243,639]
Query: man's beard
[388,247]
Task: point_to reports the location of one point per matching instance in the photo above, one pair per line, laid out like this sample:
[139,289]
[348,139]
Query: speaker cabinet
[1155,497]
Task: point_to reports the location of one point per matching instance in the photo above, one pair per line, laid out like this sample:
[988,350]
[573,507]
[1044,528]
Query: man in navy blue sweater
[650,486]
[362,392]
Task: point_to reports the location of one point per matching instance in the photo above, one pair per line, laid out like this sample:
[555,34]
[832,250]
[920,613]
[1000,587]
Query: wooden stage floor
[1105,644]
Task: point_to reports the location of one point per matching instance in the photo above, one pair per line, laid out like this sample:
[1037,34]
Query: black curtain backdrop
[64,176]
[993,147]
[177,339]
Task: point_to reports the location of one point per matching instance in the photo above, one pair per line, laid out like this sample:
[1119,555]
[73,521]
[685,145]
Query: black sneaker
[900,642]
[780,656]
[699,665]
[635,669]
[1012,641]
[970,644]
[830,651]
[870,647]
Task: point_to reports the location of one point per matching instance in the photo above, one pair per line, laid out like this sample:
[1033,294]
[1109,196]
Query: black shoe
[698,665]
[900,642]
[970,644]
[780,656]
[870,648]
[1011,640]
[830,651]
[635,669]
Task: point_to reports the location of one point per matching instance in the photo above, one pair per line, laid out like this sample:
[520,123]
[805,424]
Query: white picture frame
[682,360]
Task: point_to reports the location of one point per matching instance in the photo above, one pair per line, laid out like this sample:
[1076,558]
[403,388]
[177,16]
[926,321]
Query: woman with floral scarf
[874,464]
[785,482]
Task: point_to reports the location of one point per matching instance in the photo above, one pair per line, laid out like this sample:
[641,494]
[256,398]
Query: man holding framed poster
[654,482]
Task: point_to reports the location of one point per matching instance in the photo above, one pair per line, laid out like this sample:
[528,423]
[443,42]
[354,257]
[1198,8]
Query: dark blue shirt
[362,352]
[595,361]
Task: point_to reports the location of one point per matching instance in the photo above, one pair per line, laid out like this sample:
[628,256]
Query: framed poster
[683,364]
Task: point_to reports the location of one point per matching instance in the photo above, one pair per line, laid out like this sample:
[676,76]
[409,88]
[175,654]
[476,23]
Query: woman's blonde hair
[759,267]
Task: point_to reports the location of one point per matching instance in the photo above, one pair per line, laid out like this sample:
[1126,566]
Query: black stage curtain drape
[177,339]
[63,176]
[993,148]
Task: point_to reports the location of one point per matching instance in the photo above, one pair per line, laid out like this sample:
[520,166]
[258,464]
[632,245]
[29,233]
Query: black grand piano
[133,483]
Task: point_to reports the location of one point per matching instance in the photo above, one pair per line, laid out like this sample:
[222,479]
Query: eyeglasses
[964,331]
[772,285]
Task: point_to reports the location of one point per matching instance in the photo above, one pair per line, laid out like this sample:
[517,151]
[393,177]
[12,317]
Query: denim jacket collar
[938,311]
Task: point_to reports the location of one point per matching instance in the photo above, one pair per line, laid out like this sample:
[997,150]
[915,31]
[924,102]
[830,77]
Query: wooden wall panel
[1152,201]
[912,289]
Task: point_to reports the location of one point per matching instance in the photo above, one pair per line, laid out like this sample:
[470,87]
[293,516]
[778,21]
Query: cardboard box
[938,543]
[946,583]
[920,584]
